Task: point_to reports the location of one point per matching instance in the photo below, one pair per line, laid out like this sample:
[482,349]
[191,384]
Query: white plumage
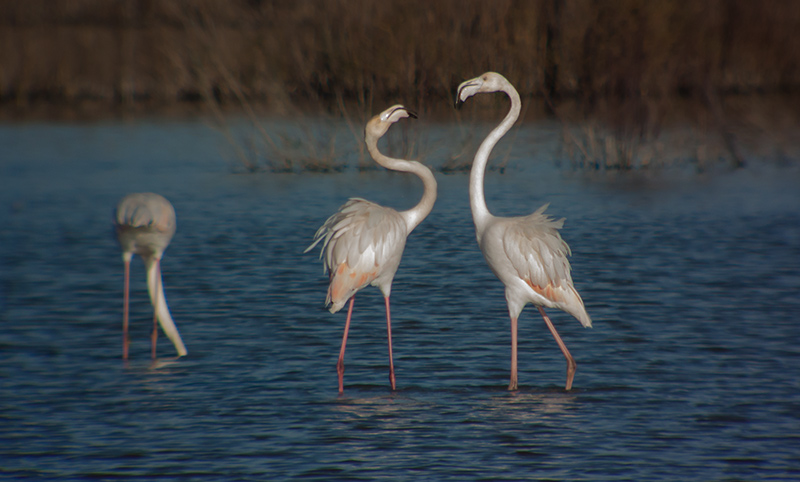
[145,224]
[363,242]
[526,253]
[358,239]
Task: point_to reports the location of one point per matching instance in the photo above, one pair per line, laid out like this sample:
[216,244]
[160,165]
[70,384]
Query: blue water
[691,372]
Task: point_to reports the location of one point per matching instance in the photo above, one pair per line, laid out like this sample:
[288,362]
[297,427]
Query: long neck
[477,201]
[415,215]
[156,289]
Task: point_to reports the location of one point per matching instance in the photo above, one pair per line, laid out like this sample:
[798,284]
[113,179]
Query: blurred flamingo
[145,224]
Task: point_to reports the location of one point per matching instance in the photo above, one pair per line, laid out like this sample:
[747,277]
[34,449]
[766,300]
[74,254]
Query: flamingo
[526,253]
[363,241]
[145,224]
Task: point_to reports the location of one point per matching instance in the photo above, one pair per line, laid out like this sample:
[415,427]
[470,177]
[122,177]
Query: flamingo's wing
[540,257]
[362,242]
[536,250]
[146,210]
[145,224]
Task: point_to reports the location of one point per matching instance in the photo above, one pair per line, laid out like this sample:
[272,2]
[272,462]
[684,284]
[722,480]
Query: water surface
[691,372]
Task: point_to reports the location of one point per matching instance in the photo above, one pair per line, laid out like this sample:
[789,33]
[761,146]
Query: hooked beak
[386,115]
[464,85]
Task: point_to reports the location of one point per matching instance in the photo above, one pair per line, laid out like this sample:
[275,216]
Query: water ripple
[690,373]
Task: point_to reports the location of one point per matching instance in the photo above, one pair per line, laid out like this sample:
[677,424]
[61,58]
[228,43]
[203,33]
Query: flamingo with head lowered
[363,242]
[145,224]
[525,252]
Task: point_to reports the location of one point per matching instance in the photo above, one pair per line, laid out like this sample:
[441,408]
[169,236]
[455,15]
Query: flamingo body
[363,246]
[363,242]
[529,256]
[526,253]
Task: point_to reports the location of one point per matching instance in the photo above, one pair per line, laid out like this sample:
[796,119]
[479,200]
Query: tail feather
[578,310]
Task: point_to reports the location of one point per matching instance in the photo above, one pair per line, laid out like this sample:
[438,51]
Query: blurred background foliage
[633,65]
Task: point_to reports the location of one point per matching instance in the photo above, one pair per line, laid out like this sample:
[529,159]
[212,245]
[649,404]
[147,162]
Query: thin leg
[512,385]
[154,337]
[389,332]
[154,334]
[125,310]
[340,363]
[571,365]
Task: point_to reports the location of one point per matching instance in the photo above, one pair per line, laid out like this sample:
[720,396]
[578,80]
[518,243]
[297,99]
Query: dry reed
[614,73]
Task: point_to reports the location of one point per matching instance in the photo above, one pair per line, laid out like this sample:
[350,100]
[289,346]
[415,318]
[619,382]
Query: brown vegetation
[632,65]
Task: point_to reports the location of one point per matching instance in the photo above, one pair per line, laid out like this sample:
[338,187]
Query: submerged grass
[329,143]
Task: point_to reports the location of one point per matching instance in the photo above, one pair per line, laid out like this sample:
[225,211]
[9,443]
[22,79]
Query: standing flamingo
[363,241]
[526,252]
[145,224]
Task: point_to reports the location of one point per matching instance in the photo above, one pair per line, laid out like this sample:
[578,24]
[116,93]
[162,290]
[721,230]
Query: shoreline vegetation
[614,75]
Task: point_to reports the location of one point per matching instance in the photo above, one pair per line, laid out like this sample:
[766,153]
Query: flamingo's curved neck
[415,215]
[155,288]
[477,201]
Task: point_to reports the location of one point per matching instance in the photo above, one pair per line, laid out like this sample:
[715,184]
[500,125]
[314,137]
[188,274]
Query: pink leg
[340,363]
[154,337]
[389,331]
[154,334]
[512,385]
[125,311]
[571,365]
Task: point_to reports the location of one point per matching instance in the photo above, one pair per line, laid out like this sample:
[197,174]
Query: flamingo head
[378,125]
[484,83]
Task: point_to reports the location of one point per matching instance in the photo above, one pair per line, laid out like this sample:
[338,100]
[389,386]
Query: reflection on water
[533,406]
[390,411]
[162,363]
[692,364]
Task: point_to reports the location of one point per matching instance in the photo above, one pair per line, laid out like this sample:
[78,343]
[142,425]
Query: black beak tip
[459,103]
[412,114]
